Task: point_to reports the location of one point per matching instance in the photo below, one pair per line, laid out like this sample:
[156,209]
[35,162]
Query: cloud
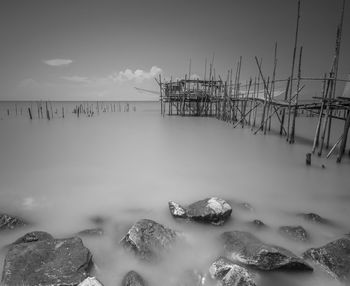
[77,79]
[58,62]
[137,75]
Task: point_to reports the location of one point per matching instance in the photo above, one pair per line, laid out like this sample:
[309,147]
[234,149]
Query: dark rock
[230,273]
[191,278]
[8,222]
[91,232]
[334,257]
[247,249]
[98,220]
[315,218]
[294,232]
[55,262]
[132,278]
[33,236]
[148,239]
[258,224]
[211,210]
[90,281]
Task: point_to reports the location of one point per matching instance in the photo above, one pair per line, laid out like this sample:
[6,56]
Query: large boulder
[333,257]
[230,273]
[149,239]
[33,237]
[132,278]
[211,210]
[54,262]
[294,232]
[9,222]
[247,249]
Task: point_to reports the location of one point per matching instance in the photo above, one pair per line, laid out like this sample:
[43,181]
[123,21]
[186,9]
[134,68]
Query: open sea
[126,161]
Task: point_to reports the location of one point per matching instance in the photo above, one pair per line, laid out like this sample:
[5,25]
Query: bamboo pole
[318,127]
[292,137]
[344,139]
[292,71]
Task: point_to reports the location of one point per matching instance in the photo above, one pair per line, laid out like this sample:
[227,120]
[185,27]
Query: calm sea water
[126,166]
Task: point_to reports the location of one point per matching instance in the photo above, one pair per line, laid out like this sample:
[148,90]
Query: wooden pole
[318,127]
[292,71]
[30,113]
[344,139]
[292,137]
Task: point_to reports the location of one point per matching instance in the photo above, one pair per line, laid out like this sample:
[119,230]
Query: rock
[54,262]
[334,257]
[294,232]
[148,239]
[33,236]
[191,278]
[91,232]
[312,217]
[132,278]
[245,206]
[98,220]
[211,210]
[258,224]
[247,249]
[230,273]
[90,281]
[8,222]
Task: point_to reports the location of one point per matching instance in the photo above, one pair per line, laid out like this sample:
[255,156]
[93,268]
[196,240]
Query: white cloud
[137,75]
[77,79]
[58,62]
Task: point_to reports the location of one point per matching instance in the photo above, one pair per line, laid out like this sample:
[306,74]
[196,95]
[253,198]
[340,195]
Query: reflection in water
[124,166]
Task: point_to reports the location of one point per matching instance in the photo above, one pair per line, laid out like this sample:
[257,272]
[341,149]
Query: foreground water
[126,166]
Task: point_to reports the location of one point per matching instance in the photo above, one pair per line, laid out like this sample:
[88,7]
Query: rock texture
[247,249]
[149,239]
[33,237]
[90,281]
[315,218]
[8,222]
[334,257]
[211,210]
[231,274]
[294,232]
[91,232]
[54,262]
[132,278]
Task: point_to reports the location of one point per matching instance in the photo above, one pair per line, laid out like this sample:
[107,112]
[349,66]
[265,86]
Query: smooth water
[126,166]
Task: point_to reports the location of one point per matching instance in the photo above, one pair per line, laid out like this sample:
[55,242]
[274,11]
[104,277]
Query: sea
[124,161]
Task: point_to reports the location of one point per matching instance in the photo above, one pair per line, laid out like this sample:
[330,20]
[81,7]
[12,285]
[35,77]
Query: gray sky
[90,49]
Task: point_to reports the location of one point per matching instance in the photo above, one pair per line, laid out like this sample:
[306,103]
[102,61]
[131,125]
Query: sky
[102,50]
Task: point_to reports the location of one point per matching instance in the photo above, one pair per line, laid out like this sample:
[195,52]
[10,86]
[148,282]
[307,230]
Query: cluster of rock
[38,258]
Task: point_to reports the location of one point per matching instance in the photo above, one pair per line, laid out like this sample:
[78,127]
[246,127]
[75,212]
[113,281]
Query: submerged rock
[294,232]
[8,222]
[334,257]
[247,249]
[90,281]
[91,232]
[34,236]
[98,220]
[312,217]
[54,262]
[229,273]
[132,278]
[211,210]
[148,239]
[258,224]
